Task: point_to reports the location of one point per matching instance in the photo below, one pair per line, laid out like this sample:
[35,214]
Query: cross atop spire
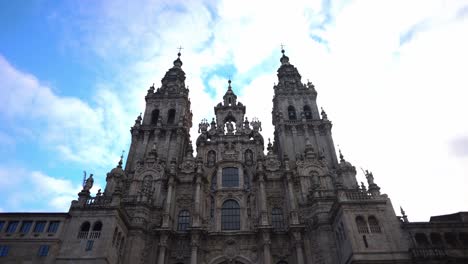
[282,48]
[180,49]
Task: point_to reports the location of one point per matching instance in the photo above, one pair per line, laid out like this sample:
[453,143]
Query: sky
[391,75]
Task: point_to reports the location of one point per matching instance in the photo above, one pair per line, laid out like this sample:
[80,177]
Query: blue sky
[391,75]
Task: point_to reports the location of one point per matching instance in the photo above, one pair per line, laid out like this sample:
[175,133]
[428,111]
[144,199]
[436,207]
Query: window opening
[154,116]
[277,219]
[184,220]
[421,239]
[451,239]
[53,226]
[25,226]
[230,177]
[171,116]
[43,251]
[307,112]
[374,225]
[291,113]
[12,225]
[4,250]
[39,227]
[362,225]
[436,239]
[230,215]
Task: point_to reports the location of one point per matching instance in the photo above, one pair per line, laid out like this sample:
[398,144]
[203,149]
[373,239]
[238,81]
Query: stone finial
[121,160]
[203,126]
[284,59]
[178,63]
[270,146]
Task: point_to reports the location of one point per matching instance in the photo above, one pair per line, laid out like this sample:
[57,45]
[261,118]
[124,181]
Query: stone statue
[211,160]
[370,178]
[248,157]
[89,183]
[230,127]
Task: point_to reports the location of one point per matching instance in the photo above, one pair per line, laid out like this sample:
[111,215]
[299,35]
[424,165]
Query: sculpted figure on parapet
[89,183]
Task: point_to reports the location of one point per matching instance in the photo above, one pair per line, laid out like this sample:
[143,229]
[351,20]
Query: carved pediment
[188,166]
[272,163]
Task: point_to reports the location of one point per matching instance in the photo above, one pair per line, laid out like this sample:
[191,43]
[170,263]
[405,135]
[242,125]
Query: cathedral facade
[233,202]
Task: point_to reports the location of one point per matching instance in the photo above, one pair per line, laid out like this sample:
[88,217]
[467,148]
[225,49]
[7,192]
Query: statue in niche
[147,185]
[211,159]
[248,157]
[315,180]
[230,127]
[89,183]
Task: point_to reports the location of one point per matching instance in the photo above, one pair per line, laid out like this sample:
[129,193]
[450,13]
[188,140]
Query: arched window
[421,239]
[171,116]
[361,225]
[154,116]
[463,238]
[374,225]
[97,226]
[451,239]
[184,220]
[291,113]
[230,215]
[84,230]
[307,112]
[277,220]
[230,177]
[436,239]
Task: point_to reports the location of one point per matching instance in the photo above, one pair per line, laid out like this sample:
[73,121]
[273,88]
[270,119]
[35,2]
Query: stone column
[167,209]
[292,199]
[196,219]
[266,248]
[162,248]
[263,206]
[307,249]
[299,253]
[298,245]
[194,243]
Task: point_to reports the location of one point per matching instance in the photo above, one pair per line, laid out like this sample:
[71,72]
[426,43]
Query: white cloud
[24,190]
[78,131]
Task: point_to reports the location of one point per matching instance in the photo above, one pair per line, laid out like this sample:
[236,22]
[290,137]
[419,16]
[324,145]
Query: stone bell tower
[165,126]
[296,117]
